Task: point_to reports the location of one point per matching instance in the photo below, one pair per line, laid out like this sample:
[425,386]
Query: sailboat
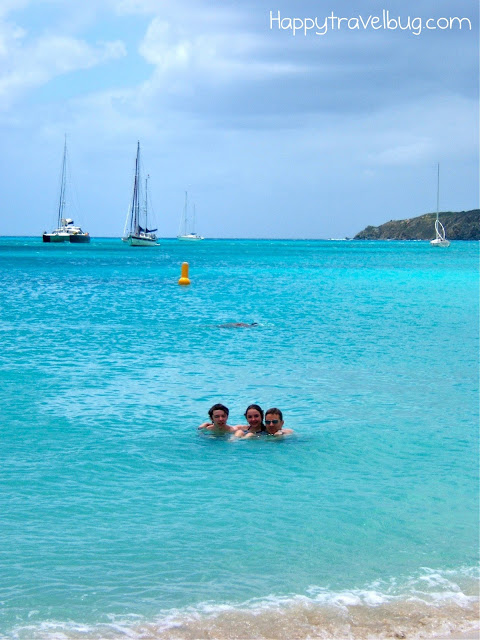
[134,233]
[66,230]
[440,239]
[184,224]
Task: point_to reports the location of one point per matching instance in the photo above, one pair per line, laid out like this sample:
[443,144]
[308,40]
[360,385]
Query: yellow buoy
[184,277]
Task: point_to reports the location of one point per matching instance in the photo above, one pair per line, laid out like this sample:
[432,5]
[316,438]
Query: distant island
[460,225]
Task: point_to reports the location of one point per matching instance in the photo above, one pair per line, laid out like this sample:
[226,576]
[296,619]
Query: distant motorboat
[134,233]
[185,223]
[440,239]
[66,230]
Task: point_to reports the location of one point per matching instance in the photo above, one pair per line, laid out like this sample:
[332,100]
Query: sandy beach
[471,635]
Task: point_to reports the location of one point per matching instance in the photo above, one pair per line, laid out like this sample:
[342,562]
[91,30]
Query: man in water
[274,423]
[218,416]
[233,325]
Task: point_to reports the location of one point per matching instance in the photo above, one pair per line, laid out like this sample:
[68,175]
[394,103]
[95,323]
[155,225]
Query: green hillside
[460,225]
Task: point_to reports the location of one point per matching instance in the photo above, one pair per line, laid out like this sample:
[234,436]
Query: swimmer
[233,325]
[218,416]
[274,423]
[254,416]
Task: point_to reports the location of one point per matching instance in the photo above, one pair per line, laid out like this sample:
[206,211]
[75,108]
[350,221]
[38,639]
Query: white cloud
[10,38]
[6,6]
[28,61]
[25,65]
[204,61]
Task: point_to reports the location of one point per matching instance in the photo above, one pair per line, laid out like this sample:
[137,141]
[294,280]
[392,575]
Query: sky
[282,119]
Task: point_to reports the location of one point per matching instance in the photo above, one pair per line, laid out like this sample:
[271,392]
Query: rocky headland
[459,225]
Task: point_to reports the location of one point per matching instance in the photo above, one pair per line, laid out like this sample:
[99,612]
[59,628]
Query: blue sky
[272,134]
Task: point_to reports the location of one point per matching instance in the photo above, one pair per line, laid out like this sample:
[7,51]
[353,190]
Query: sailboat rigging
[440,239]
[134,233]
[184,234]
[66,230]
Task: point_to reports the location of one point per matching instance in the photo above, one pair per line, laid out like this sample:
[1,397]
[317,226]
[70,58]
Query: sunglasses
[272,421]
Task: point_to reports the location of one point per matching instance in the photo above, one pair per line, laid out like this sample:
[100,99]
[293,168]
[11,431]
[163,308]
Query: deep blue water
[119,519]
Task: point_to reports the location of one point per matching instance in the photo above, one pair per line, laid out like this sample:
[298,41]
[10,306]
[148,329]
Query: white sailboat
[134,233]
[440,239]
[66,230]
[185,222]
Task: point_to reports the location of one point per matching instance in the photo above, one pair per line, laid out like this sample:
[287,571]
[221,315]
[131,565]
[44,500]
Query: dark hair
[218,407]
[260,411]
[275,411]
[256,407]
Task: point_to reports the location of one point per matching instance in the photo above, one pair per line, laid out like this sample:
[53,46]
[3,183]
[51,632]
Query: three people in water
[272,425]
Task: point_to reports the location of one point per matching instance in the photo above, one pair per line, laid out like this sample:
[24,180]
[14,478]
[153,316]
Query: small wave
[425,606]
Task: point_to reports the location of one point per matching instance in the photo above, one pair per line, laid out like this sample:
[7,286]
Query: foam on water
[379,611]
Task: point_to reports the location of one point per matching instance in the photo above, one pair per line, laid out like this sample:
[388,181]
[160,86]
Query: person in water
[218,416]
[254,416]
[233,325]
[274,423]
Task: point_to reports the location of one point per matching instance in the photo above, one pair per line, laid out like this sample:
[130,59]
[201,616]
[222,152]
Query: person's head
[273,420]
[218,414]
[254,416]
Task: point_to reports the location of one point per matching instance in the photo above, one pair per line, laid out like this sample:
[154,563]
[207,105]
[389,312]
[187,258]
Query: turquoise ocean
[119,519]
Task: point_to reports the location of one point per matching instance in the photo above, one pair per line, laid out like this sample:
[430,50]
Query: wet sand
[470,635]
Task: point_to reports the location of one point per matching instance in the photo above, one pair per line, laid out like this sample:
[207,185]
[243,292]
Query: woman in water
[254,416]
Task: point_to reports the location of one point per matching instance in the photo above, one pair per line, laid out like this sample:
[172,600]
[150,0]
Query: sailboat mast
[61,202]
[185,215]
[146,202]
[438,188]
[136,187]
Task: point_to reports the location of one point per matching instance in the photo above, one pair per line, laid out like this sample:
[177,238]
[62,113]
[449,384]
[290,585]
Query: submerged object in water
[234,325]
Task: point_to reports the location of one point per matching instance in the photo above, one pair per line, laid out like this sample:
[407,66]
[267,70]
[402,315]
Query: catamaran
[66,230]
[134,233]
[185,222]
[440,239]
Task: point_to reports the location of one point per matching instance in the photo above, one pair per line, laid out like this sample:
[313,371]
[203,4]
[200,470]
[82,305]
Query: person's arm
[234,429]
[239,430]
[204,425]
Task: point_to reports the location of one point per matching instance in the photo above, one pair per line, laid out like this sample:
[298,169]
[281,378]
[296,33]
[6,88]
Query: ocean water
[119,519]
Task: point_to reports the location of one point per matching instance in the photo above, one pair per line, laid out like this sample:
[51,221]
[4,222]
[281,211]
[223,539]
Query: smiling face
[273,423]
[254,419]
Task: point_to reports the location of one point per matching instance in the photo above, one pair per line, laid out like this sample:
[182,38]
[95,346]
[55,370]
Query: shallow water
[119,519]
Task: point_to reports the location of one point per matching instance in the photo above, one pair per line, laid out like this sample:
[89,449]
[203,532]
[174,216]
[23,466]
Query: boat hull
[140,241]
[439,242]
[79,238]
[190,238]
[55,237]
[74,238]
